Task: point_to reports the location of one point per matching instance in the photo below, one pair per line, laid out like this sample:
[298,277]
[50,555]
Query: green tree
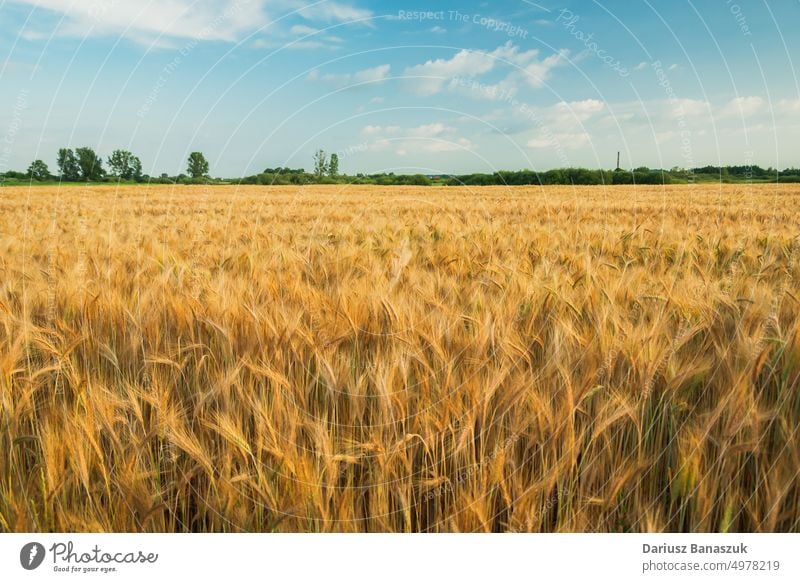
[333,166]
[198,165]
[124,165]
[38,171]
[68,167]
[320,163]
[90,164]
[135,169]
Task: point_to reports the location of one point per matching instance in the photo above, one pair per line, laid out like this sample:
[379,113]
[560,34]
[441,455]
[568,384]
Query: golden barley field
[366,359]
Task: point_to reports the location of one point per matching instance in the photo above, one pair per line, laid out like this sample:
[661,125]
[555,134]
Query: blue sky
[407,87]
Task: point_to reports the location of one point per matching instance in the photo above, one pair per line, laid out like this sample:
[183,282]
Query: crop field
[366,359]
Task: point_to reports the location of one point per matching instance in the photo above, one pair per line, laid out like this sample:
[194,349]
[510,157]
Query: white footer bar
[351,557]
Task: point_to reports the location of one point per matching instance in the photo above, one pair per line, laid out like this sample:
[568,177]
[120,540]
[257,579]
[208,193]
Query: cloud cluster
[364,76]
[434,76]
[743,107]
[430,138]
[660,129]
[182,20]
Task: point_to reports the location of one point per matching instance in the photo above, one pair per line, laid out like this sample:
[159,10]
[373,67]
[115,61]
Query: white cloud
[788,107]
[743,107]
[377,130]
[571,141]
[537,73]
[666,136]
[505,89]
[373,75]
[440,146]
[267,43]
[511,53]
[303,30]
[541,142]
[430,138]
[370,130]
[200,20]
[655,115]
[689,108]
[434,76]
[580,109]
[178,21]
[693,107]
[336,12]
[572,115]
[430,130]
[305,45]
[563,117]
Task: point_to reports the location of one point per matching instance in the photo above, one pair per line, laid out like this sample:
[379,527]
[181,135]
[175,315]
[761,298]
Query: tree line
[84,165]
[326,172]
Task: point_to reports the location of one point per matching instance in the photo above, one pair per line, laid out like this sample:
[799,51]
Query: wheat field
[364,359]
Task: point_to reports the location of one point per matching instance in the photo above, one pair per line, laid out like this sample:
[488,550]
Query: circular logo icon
[31,555]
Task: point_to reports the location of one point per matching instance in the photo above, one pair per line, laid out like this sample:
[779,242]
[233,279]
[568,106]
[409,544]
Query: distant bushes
[556,177]
[562,177]
[83,165]
[278,179]
[642,176]
[300,177]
